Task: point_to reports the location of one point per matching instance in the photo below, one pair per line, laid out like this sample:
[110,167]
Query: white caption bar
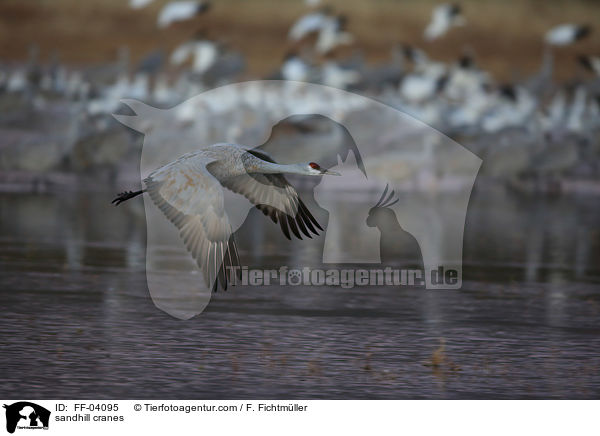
[299,417]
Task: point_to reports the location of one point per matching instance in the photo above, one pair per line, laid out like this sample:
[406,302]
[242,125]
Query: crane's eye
[314,166]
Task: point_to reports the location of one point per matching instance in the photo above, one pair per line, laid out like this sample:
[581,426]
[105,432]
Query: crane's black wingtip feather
[293,226]
[124,196]
[310,216]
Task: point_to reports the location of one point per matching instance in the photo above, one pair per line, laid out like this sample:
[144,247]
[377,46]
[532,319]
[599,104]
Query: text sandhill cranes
[189,191]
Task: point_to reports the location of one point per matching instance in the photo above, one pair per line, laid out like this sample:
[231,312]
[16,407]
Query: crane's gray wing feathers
[276,198]
[192,199]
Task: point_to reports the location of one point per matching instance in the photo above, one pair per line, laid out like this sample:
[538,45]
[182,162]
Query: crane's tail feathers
[124,196]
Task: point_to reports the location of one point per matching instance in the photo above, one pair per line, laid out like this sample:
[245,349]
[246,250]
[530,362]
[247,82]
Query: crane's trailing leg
[124,196]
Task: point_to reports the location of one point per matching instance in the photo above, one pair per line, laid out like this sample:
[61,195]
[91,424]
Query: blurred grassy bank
[506,36]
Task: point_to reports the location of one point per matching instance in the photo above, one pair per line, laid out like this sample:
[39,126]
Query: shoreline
[24,182]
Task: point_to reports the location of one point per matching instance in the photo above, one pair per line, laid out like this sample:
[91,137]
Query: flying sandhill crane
[189,191]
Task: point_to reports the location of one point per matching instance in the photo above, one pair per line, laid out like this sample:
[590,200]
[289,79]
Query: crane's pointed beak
[331,173]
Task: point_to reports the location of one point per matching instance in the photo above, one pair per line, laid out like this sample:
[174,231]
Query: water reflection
[77,317]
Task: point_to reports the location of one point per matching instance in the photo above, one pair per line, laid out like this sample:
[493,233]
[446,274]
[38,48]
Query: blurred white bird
[295,68]
[422,64]
[335,76]
[576,111]
[309,23]
[139,4]
[17,81]
[417,88]
[180,11]
[566,34]
[333,34]
[139,87]
[557,109]
[591,63]
[428,77]
[465,79]
[312,3]
[204,51]
[515,107]
[474,105]
[442,19]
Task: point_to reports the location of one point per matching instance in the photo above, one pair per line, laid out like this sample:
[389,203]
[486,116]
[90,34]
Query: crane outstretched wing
[192,199]
[276,198]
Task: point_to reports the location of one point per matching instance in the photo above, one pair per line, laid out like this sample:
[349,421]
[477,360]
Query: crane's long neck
[273,168]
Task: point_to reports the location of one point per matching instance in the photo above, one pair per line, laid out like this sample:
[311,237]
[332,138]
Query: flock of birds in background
[457,98]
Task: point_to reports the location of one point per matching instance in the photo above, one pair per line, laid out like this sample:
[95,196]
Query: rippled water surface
[78,320]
